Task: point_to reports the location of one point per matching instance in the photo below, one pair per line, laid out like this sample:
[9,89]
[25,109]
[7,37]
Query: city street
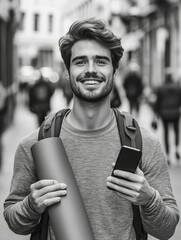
[25,122]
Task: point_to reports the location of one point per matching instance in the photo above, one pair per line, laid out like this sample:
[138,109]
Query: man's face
[91,70]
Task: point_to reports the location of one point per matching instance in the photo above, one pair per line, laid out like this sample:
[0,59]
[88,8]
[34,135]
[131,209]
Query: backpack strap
[129,130]
[41,231]
[52,125]
[130,135]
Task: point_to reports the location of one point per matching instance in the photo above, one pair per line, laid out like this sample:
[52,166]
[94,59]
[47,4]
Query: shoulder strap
[52,125]
[41,231]
[130,135]
[129,130]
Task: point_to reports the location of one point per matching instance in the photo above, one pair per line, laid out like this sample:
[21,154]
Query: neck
[90,116]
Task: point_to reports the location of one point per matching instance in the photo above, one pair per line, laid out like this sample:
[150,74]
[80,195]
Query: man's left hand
[132,186]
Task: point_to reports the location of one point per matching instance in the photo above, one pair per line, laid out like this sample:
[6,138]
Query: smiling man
[89,133]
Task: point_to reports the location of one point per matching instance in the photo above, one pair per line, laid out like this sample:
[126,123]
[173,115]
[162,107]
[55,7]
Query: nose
[91,68]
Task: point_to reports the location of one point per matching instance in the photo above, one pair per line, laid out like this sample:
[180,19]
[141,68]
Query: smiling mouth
[91,81]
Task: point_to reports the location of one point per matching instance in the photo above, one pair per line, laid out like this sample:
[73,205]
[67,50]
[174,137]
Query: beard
[91,95]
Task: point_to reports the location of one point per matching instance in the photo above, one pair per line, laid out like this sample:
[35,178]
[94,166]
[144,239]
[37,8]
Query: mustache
[91,75]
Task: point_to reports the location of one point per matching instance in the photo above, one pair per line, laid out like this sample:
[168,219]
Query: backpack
[130,135]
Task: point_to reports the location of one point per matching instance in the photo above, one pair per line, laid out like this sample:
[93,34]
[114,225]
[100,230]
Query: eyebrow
[84,57]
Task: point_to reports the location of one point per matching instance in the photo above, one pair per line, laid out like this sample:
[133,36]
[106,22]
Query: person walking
[167,107]
[133,87]
[89,133]
[40,94]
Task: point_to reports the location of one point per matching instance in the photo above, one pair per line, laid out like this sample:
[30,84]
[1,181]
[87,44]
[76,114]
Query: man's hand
[133,187]
[45,193]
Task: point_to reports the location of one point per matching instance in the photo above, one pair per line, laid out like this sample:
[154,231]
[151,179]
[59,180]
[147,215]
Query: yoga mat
[68,218]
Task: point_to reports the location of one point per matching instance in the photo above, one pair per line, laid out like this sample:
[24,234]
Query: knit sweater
[91,154]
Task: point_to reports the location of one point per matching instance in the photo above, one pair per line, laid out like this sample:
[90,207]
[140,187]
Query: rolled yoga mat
[68,218]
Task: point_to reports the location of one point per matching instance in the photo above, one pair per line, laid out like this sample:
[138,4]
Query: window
[50,23]
[22,21]
[46,57]
[36,22]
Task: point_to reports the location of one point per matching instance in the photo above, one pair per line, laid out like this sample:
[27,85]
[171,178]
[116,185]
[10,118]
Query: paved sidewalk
[24,122]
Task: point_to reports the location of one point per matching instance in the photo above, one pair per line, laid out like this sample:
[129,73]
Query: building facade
[154,25]
[9,14]
[150,32]
[39,30]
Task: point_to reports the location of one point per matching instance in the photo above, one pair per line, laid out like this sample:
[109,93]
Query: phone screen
[128,159]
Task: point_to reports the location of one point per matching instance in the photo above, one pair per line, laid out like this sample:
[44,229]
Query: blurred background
[150,32]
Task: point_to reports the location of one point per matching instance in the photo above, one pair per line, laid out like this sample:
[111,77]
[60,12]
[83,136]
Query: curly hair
[92,29]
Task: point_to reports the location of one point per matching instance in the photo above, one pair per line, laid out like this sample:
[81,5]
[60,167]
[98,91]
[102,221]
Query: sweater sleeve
[17,211]
[160,215]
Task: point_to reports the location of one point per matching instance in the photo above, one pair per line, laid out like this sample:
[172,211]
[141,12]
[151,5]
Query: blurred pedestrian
[133,87]
[167,107]
[40,94]
[3,112]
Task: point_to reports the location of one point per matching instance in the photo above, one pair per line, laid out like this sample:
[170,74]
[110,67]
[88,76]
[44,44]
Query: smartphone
[128,159]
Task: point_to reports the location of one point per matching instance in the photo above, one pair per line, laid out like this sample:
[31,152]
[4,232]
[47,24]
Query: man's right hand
[45,193]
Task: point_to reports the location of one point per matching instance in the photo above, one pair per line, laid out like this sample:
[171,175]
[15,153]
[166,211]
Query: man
[90,136]
[133,87]
[167,107]
[40,95]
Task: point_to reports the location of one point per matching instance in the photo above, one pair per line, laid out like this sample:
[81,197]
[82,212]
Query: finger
[52,188]
[43,183]
[125,191]
[139,172]
[55,194]
[113,165]
[40,203]
[124,183]
[48,202]
[126,175]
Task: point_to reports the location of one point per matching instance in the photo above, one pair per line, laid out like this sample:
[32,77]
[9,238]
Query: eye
[100,62]
[80,63]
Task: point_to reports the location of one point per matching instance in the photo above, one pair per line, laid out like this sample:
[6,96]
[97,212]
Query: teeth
[91,82]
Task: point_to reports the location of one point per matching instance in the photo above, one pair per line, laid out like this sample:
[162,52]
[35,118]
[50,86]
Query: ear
[116,72]
[67,76]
